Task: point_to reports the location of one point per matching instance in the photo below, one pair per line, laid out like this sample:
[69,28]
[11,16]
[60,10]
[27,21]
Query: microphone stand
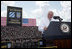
[60,20]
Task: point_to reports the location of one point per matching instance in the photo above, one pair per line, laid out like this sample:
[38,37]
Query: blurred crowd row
[17,32]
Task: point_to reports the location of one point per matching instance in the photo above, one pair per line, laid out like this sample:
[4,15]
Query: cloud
[4,13]
[66,11]
[8,3]
[37,12]
[38,21]
[4,5]
[42,3]
[65,4]
[24,15]
[66,14]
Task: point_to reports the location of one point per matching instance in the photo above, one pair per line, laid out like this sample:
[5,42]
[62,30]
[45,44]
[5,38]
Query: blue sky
[39,9]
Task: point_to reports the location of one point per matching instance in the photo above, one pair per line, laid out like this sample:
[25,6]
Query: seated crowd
[14,32]
[20,34]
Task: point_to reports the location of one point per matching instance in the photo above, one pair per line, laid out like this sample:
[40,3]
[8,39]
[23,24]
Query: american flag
[3,21]
[28,22]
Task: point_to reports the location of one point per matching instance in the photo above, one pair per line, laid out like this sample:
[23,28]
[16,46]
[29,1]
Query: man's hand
[45,28]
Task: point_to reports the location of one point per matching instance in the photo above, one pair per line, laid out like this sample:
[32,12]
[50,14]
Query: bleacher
[24,37]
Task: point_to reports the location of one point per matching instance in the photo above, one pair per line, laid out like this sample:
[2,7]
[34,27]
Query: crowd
[24,34]
[15,32]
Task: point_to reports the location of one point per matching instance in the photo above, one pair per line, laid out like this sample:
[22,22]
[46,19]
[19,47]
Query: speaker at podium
[57,30]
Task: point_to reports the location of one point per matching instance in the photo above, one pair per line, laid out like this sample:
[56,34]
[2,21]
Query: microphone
[56,17]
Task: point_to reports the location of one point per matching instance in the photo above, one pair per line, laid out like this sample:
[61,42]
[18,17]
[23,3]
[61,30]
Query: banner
[14,16]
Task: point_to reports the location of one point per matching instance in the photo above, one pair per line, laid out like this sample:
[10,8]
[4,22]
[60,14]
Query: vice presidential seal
[65,28]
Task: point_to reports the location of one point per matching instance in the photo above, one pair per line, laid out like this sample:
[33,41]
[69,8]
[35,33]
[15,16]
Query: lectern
[58,34]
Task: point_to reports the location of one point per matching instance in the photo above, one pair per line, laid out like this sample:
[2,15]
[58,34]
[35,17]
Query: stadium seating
[28,35]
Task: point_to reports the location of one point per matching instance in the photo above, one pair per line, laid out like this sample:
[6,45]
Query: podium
[58,34]
[55,31]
